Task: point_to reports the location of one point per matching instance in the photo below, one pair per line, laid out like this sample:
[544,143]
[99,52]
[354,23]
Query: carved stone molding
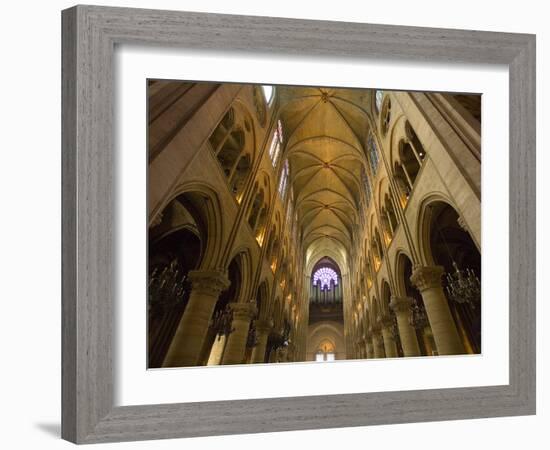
[401,304]
[243,311]
[385,321]
[374,329]
[209,282]
[157,220]
[264,326]
[462,223]
[427,277]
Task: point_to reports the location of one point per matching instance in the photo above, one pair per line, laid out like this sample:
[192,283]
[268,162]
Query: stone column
[390,346]
[263,328]
[402,308]
[188,340]
[216,353]
[236,342]
[428,281]
[378,343]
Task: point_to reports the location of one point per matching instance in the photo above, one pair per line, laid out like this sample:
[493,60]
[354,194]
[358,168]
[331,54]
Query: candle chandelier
[418,318]
[463,287]
[252,337]
[282,340]
[222,321]
[167,287]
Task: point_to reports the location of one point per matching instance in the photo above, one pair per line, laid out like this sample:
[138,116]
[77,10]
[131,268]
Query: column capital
[401,304]
[374,329]
[427,277]
[243,311]
[209,282]
[385,321]
[264,326]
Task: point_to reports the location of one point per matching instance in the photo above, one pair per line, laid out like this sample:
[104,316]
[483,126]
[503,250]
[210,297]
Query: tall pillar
[263,328]
[378,343]
[236,342]
[386,325]
[428,281]
[185,348]
[188,340]
[402,308]
[216,353]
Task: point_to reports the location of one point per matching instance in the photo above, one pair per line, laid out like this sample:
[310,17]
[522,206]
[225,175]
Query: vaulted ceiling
[326,130]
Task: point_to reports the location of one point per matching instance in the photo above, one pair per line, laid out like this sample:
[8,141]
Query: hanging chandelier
[418,318]
[282,340]
[463,286]
[252,337]
[394,328]
[222,321]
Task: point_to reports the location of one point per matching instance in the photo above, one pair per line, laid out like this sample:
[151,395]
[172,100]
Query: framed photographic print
[278,224]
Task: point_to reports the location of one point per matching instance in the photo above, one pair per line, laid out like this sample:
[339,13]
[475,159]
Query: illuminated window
[276,144]
[373,154]
[284,180]
[379,96]
[325,275]
[268,92]
[325,352]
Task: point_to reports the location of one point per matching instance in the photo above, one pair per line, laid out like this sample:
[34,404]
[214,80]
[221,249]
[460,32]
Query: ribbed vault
[326,130]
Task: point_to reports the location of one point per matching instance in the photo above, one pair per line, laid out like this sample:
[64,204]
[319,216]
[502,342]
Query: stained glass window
[276,143]
[379,96]
[325,275]
[284,179]
[373,154]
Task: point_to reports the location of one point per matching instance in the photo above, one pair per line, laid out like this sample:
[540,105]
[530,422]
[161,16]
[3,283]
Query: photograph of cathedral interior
[294,223]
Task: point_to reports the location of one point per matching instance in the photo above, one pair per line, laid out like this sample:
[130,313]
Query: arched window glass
[373,154]
[379,96]
[276,143]
[284,179]
[268,92]
[325,275]
[280,130]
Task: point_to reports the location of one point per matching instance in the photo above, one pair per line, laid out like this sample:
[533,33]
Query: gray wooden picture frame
[90,34]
